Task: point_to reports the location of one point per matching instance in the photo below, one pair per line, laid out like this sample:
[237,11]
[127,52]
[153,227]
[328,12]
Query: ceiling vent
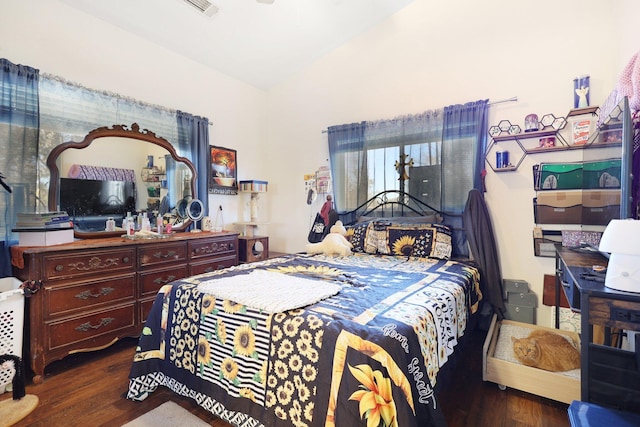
[204,6]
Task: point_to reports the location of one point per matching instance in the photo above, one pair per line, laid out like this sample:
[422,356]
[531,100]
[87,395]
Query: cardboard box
[45,238]
[552,385]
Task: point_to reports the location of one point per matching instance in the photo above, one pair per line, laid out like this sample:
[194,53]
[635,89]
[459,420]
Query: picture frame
[223,171]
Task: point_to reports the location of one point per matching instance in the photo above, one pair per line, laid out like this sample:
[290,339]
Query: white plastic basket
[11,323]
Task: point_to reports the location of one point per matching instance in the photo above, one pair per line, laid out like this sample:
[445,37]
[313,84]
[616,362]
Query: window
[443,150]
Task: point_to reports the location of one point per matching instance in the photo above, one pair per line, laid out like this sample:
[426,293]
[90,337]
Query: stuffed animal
[333,243]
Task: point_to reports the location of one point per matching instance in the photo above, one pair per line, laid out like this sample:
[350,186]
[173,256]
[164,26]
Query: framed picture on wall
[223,173]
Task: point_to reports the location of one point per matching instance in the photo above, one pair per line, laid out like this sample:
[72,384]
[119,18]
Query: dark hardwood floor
[86,389]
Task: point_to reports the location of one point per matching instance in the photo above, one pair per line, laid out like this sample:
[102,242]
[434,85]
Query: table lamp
[621,238]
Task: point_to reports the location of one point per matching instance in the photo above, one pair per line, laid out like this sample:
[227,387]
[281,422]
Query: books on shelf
[253,186]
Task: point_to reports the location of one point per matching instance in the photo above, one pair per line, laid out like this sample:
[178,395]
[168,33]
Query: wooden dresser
[97,291]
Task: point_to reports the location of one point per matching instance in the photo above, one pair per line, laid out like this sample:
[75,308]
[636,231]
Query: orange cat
[546,350]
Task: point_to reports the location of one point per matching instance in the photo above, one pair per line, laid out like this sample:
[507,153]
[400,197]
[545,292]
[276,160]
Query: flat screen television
[90,202]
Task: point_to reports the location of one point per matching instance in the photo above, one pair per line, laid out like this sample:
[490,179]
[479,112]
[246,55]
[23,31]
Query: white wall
[432,54]
[60,40]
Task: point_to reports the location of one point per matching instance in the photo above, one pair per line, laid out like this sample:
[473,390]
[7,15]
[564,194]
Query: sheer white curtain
[68,111]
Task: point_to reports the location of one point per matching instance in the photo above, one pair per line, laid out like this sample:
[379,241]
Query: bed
[310,340]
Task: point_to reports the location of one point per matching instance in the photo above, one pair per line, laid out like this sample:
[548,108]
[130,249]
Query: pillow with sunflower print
[426,241]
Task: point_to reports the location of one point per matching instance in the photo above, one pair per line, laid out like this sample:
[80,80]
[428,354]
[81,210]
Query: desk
[609,376]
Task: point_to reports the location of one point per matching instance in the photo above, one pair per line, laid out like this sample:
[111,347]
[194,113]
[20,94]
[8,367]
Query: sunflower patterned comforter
[368,355]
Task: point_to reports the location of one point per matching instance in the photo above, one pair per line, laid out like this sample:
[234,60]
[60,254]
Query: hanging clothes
[483,248]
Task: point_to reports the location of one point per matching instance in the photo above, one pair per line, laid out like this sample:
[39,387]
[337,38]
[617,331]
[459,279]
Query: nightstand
[252,249]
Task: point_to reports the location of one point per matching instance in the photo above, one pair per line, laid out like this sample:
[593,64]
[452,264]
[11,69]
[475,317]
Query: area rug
[169,414]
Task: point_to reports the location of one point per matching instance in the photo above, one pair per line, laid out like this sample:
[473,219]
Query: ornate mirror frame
[123,131]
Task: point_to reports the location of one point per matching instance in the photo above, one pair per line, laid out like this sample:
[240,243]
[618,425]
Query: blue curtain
[348,165]
[193,143]
[464,141]
[19,124]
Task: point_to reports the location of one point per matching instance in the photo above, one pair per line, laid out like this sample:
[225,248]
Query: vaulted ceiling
[257,42]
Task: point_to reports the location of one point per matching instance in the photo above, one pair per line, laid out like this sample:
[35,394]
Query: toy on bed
[334,243]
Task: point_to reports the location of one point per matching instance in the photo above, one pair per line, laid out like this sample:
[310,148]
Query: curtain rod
[512,99]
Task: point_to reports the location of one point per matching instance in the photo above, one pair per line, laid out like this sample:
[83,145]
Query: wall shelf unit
[551,137]
[580,197]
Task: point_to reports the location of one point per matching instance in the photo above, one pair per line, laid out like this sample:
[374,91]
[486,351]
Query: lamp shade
[621,238]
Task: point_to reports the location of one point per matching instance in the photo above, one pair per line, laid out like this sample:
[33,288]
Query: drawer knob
[125,260]
[87,325]
[87,294]
[59,267]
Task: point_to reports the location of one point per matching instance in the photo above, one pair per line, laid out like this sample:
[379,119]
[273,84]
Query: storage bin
[560,386]
[558,176]
[577,175]
[600,206]
[558,207]
[601,174]
[11,324]
[511,285]
[521,306]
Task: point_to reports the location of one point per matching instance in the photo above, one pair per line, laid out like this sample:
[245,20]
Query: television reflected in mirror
[91,202]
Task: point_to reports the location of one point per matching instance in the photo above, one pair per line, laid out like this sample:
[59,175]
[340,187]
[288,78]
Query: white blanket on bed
[270,291]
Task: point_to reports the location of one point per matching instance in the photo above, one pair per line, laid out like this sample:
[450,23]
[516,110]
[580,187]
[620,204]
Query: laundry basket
[11,322]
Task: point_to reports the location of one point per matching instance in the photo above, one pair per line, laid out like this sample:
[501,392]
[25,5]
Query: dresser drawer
[203,248]
[82,264]
[87,331]
[159,254]
[152,281]
[212,265]
[63,298]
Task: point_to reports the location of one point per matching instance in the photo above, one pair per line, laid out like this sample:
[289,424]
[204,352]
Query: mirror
[163,180]
[195,211]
